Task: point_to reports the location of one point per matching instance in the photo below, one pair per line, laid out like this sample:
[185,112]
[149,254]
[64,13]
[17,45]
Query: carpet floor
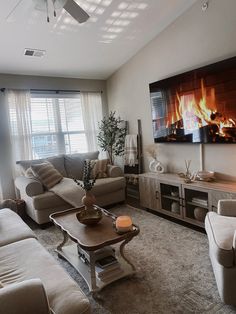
[174,273]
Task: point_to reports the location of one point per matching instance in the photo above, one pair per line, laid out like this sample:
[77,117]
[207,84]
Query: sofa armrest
[114,171]
[227,208]
[29,186]
[26,297]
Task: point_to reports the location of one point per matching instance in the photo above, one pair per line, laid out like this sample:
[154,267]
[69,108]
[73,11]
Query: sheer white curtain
[13,147]
[6,179]
[19,109]
[92,114]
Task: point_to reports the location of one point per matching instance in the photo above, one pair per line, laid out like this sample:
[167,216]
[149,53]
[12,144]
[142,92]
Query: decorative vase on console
[154,164]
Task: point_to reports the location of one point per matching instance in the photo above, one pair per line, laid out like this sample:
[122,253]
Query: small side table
[92,239]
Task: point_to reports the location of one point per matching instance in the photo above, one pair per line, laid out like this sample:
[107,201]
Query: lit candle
[123,223]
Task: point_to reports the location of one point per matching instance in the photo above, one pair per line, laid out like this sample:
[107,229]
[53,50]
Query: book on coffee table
[99,254]
[107,276]
[106,261]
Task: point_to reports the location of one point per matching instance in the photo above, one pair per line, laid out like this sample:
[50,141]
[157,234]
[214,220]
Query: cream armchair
[221,232]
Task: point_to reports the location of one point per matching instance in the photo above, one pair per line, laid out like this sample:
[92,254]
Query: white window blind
[57,124]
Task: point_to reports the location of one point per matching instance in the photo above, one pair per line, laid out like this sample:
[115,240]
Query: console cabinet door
[197,203]
[149,193]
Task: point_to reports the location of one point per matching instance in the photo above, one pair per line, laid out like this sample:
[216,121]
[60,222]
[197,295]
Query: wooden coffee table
[91,239]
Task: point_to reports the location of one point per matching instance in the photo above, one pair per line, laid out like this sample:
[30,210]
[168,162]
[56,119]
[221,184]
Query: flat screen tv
[198,106]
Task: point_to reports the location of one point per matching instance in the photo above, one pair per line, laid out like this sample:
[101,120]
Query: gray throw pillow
[24,165]
[56,161]
[74,164]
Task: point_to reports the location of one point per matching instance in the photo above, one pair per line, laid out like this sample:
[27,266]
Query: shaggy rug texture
[174,273]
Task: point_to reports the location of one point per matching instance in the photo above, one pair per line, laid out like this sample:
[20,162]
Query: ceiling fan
[70,6]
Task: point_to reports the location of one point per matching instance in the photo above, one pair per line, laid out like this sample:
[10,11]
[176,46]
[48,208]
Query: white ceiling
[116,30]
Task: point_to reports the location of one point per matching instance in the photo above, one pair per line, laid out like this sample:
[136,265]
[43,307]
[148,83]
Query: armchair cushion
[220,231]
[26,297]
[227,207]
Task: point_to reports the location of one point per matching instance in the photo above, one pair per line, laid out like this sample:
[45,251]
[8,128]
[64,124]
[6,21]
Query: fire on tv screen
[198,106]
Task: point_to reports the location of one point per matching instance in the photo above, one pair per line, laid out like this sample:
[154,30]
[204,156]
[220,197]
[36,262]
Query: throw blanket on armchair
[69,191]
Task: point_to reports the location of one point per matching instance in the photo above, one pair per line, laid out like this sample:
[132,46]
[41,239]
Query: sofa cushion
[74,164]
[27,259]
[99,168]
[13,228]
[47,200]
[47,174]
[15,298]
[56,161]
[108,185]
[220,231]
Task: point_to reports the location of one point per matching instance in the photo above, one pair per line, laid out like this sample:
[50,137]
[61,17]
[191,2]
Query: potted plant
[111,136]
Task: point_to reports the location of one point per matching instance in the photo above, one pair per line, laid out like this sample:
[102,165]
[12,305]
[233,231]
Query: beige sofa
[221,232]
[40,203]
[31,281]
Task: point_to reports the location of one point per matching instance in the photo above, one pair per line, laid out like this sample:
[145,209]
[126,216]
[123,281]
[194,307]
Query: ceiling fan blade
[76,11]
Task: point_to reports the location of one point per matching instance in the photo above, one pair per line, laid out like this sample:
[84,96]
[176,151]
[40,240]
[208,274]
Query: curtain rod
[57,90]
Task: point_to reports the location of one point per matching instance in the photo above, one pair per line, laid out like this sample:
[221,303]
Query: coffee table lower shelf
[87,271]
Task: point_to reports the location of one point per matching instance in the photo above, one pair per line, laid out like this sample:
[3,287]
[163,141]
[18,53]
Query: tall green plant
[111,136]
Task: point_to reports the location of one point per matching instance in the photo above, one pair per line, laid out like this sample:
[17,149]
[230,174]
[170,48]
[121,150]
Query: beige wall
[195,39]
[55,83]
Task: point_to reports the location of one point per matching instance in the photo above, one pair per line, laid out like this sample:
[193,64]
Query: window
[55,123]
[57,126]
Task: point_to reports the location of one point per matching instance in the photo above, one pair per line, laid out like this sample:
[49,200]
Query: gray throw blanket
[69,191]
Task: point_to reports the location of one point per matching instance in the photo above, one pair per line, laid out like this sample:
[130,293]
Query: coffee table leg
[123,255]
[94,287]
[65,239]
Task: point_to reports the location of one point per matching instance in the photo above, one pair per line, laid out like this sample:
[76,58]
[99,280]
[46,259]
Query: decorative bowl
[89,217]
[205,175]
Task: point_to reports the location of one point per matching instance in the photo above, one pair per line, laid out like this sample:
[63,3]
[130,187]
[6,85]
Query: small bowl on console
[205,175]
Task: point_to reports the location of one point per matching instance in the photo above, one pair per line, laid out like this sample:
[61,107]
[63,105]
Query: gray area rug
[174,273]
